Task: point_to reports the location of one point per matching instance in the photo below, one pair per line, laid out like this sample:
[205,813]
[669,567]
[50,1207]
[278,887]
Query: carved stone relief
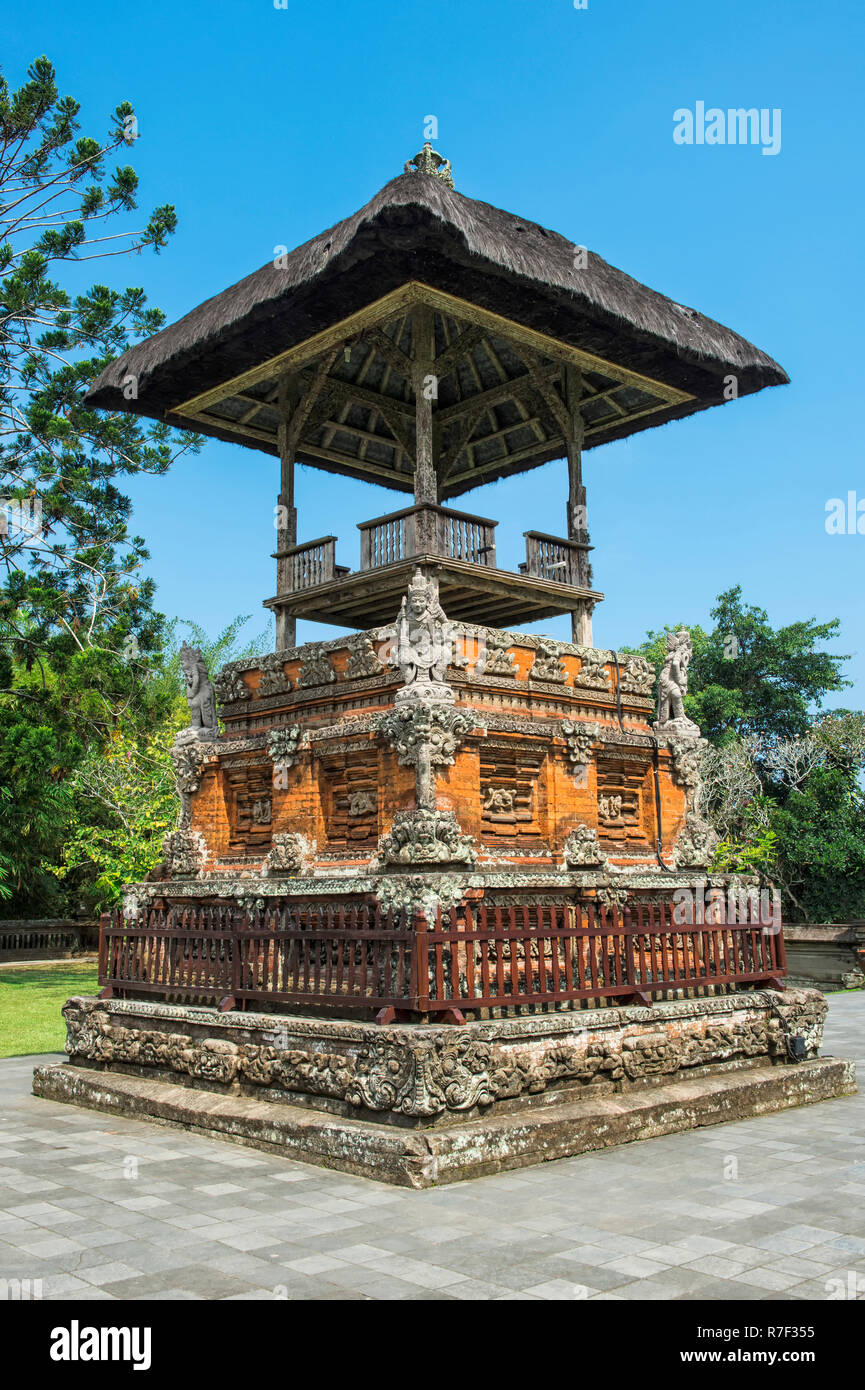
[426,837]
[582,849]
[317,667]
[593,673]
[546,665]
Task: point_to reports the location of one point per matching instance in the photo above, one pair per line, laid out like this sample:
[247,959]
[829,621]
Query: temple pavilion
[440,900]
[431,343]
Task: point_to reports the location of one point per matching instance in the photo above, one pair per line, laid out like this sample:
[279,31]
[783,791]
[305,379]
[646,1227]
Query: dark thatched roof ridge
[417,228]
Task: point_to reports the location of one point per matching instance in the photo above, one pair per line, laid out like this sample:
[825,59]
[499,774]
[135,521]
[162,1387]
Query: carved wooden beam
[517,387]
[545,388]
[453,354]
[390,351]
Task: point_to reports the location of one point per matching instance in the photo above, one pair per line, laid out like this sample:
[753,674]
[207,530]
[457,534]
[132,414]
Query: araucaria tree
[78,632]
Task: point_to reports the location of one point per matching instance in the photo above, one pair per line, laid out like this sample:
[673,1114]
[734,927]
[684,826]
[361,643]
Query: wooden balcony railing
[554,557]
[308,565]
[358,957]
[427,530]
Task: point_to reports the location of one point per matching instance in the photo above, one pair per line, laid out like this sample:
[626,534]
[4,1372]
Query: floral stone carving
[546,665]
[409,727]
[185,853]
[187,758]
[687,758]
[637,676]
[363,660]
[498,661]
[288,854]
[230,687]
[317,667]
[274,680]
[696,844]
[282,745]
[593,673]
[582,849]
[579,739]
[427,891]
[426,837]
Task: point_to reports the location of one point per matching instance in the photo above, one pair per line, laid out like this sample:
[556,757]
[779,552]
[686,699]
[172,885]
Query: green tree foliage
[79,637]
[122,799]
[783,783]
[820,853]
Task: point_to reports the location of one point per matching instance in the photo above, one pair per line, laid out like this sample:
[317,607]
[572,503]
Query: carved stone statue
[199,693]
[673,687]
[424,638]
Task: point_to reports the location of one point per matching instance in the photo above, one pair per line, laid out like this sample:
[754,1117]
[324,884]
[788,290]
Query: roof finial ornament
[429,161]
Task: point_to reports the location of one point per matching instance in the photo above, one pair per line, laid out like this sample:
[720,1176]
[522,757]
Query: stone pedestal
[419,1105]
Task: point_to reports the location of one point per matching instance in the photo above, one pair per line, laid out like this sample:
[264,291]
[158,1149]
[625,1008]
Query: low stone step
[426,1158]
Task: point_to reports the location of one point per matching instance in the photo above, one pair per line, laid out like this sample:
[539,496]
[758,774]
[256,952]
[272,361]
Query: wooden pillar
[425,391]
[286,535]
[581,621]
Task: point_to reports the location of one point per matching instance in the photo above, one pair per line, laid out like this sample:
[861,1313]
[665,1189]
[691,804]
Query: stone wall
[47,939]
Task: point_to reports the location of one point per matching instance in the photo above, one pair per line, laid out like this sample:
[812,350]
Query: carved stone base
[488,1095]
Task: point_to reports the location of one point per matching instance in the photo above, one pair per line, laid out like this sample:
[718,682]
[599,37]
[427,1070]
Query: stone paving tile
[204,1219]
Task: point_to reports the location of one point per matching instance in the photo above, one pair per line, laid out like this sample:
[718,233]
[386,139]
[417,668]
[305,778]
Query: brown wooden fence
[359,957]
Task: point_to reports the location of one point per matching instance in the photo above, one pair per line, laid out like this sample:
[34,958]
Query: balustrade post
[420,962]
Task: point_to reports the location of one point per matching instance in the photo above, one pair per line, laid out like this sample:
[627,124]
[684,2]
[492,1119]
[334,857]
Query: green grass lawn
[31,997]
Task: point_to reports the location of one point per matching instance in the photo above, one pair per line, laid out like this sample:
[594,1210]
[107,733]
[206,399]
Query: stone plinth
[419,1104]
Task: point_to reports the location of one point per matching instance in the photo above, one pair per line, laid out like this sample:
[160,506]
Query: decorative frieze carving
[593,673]
[230,687]
[274,680]
[185,853]
[637,676]
[582,849]
[316,668]
[289,853]
[546,665]
[425,836]
[579,739]
[363,661]
[439,1070]
[697,843]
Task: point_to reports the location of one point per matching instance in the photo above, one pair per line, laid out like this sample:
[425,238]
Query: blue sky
[264,126]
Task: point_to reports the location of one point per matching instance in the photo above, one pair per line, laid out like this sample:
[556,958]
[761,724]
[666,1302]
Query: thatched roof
[416,229]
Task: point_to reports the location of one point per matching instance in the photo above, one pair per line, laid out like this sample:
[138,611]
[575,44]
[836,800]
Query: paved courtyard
[102,1208]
